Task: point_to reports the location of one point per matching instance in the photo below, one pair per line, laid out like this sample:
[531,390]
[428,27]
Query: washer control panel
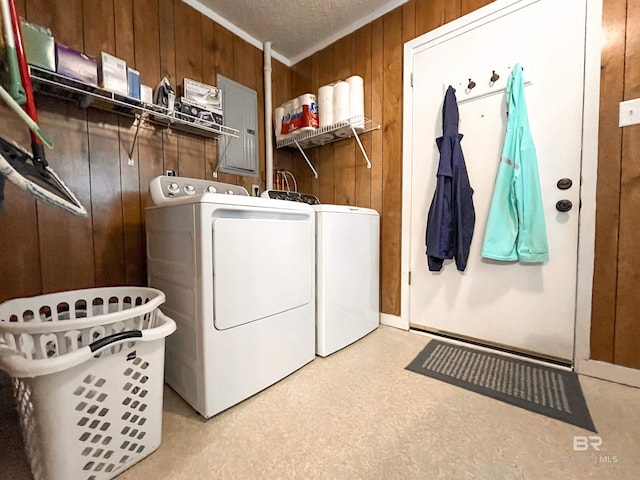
[291,196]
[165,188]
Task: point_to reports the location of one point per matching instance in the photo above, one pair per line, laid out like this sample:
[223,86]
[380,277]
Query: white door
[526,307]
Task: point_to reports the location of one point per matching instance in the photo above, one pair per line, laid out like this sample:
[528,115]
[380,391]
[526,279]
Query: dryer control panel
[291,196]
[165,188]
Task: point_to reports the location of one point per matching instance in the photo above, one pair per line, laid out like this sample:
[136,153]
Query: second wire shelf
[352,127]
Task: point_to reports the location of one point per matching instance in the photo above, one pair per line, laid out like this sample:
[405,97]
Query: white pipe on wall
[268,115]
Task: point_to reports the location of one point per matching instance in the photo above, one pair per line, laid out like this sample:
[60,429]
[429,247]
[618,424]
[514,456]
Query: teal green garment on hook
[516,229]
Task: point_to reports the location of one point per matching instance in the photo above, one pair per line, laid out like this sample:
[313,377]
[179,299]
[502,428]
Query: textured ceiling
[296,28]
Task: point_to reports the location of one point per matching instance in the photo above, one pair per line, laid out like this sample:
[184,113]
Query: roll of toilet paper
[325,105]
[322,139]
[356,101]
[341,104]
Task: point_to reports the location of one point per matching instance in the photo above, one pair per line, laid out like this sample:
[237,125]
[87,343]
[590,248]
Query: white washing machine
[347,271]
[238,273]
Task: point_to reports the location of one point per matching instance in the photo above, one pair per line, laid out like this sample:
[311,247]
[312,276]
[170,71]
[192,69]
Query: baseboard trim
[609,372]
[393,321]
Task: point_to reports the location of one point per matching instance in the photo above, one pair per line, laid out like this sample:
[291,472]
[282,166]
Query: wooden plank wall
[48,250]
[615,324]
[378,59]
[374,52]
[45,249]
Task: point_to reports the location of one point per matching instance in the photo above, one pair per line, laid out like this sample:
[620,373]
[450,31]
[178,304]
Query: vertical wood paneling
[20,266]
[245,74]
[224,64]
[146,25]
[363,68]
[608,191]
[324,157]
[452,10]
[307,183]
[106,204]
[281,91]
[409,20]
[20,258]
[69,263]
[129,168]
[344,151]
[146,36]
[209,76]
[627,329]
[468,6]
[430,14]
[392,163]
[55,13]
[55,251]
[66,241]
[124,41]
[166,19]
[188,36]
[377,113]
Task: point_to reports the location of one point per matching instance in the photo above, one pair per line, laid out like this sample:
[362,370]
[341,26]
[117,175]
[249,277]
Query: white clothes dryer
[238,273]
[347,271]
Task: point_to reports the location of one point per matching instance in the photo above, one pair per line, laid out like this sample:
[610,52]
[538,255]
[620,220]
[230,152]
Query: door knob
[564,183]
[564,205]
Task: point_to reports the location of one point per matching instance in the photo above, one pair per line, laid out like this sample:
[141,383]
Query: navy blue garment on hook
[451,217]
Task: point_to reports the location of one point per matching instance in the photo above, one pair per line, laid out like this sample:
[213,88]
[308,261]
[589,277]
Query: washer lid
[344,209]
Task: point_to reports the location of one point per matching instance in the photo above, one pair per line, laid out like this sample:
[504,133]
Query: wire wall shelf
[84,95]
[330,133]
[353,127]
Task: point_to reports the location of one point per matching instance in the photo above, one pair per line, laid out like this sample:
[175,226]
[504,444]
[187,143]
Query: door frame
[589,164]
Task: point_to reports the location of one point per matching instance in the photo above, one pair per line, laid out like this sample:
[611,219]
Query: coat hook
[494,77]
[471,85]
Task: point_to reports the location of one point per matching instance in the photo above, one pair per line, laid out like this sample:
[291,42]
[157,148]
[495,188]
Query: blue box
[133,82]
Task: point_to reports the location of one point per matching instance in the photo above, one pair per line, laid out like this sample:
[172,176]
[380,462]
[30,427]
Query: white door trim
[586,235]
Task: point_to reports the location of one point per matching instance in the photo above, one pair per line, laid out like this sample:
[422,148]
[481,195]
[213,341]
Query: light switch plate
[630,112]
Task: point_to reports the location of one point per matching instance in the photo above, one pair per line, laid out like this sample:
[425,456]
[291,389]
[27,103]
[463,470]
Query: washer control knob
[189,189]
[230,192]
[211,189]
[173,187]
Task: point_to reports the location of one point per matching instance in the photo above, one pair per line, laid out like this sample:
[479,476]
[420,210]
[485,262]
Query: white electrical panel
[240,105]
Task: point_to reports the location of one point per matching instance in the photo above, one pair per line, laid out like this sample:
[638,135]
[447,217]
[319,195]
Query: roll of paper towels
[356,101]
[341,104]
[309,112]
[325,105]
[287,126]
[277,122]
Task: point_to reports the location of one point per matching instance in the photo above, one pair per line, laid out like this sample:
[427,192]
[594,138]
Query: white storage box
[87,369]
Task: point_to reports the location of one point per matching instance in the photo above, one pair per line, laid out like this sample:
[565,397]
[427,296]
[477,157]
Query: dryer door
[263,264]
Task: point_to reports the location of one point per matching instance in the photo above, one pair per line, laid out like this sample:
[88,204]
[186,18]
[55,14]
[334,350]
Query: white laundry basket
[87,369]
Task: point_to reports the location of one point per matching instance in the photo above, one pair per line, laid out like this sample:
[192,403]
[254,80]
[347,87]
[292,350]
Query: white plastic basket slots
[87,369]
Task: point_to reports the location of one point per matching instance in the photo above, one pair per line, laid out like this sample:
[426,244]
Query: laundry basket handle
[116,337]
[18,366]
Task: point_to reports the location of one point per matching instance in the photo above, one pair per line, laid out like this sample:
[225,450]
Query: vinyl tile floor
[358,414]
